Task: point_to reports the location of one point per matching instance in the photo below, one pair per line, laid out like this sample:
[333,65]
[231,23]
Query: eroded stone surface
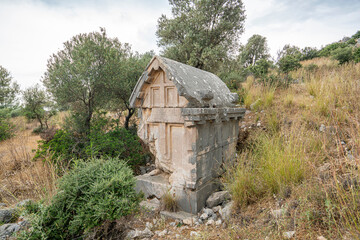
[188,120]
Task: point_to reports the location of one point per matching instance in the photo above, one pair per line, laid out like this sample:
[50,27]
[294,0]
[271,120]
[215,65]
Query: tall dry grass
[21,177]
[321,168]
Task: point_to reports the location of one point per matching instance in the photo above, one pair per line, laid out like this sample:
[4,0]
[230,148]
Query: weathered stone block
[189,121]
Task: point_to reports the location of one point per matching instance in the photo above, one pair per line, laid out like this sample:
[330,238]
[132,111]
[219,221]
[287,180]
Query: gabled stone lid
[199,87]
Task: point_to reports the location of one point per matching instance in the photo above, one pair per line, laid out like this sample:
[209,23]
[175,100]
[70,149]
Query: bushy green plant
[92,192]
[343,55]
[357,55]
[6,129]
[105,139]
[327,50]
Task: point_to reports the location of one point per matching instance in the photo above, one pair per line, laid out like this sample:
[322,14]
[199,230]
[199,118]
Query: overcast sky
[31,30]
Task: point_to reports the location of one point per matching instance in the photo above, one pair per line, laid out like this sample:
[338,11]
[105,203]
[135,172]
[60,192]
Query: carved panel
[155,97]
[171,97]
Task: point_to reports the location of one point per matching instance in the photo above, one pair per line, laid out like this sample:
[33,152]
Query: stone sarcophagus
[188,120]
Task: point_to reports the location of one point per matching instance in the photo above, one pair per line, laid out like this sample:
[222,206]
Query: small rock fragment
[288,235]
[322,128]
[210,222]
[149,225]
[278,213]
[188,221]
[194,234]
[218,222]
[321,238]
[225,212]
[217,198]
[155,172]
[216,209]
[163,233]
[204,216]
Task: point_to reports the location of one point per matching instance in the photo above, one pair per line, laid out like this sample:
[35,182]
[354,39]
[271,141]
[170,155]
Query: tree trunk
[131,112]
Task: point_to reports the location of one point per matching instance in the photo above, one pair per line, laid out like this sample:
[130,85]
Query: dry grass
[20,177]
[327,191]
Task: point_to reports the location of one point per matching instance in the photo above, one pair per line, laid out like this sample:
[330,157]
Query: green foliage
[289,50]
[92,192]
[36,100]
[83,75]
[255,49]
[327,50]
[289,63]
[343,55]
[357,55]
[308,53]
[8,89]
[274,164]
[356,35]
[261,68]
[67,145]
[6,129]
[201,33]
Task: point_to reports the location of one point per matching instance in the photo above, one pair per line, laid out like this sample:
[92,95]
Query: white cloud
[32,31]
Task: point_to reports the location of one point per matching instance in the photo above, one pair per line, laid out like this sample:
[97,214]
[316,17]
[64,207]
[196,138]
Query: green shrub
[6,129]
[92,192]
[357,55]
[343,55]
[116,142]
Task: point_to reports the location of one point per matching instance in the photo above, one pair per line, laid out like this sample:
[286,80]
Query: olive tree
[8,88]
[87,72]
[255,49]
[201,33]
[37,105]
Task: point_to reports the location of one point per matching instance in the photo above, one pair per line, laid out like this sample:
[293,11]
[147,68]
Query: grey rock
[204,216]
[278,213]
[321,238]
[8,215]
[3,205]
[7,230]
[225,212]
[208,211]
[163,233]
[173,224]
[150,205]
[210,222]
[177,215]
[322,128]
[217,198]
[189,221]
[289,235]
[25,202]
[243,126]
[216,209]
[149,225]
[213,217]
[143,170]
[258,124]
[218,222]
[138,234]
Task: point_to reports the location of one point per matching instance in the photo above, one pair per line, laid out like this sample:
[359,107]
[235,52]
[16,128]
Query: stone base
[153,186]
[188,200]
